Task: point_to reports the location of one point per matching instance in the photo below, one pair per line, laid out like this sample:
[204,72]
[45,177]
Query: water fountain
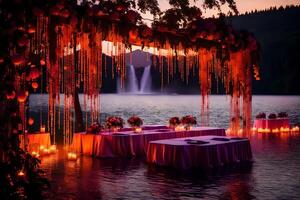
[146,80]
[133,84]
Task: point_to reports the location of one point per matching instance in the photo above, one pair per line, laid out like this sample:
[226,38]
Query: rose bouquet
[174,121]
[188,121]
[135,121]
[261,115]
[114,123]
[272,116]
[282,115]
[94,128]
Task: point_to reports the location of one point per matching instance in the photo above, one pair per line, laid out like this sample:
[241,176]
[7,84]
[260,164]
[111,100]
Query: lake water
[157,109]
[274,174]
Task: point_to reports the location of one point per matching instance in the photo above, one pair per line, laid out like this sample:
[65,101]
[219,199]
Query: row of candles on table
[276,130]
[268,130]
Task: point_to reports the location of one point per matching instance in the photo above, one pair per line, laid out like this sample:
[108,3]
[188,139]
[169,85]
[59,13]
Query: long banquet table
[272,123]
[130,144]
[177,153]
[33,140]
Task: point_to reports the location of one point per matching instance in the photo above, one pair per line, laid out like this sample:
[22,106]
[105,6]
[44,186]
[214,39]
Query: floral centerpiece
[282,115]
[261,115]
[94,128]
[114,123]
[188,121]
[136,123]
[174,122]
[272,116]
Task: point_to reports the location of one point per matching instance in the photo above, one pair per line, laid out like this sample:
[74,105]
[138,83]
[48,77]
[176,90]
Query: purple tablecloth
[178,153]
[129,144]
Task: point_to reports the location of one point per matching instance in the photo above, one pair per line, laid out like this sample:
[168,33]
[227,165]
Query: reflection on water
[275,174]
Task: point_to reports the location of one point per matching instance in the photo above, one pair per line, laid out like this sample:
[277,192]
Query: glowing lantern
[22,96]
[42,62]
[18,60]
[10,95]
[31,30]
[34,85]
[133,34]
[21,173]
[30,121]
[34,73]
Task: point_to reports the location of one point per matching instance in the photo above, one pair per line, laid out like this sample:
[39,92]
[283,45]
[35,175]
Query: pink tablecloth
[35,139]
[272,123]
[178,153]
[129,144]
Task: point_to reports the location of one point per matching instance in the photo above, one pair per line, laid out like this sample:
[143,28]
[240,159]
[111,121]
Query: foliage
[135,121]
[189,120]
[282,115]
[94,128]
[261,115]
[174,121]
[272,116]
[114,122]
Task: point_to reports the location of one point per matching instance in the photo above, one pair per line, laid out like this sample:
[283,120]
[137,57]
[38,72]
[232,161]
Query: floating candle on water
[52,149]
[72,156]
[35,154]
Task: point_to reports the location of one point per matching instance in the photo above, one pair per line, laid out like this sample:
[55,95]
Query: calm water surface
[275,173]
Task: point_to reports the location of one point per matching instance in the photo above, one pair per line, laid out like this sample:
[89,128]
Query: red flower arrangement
[94,128]
[272,116]
[189,120]
[282,115]
[114,122]
[261,115]
[135,121]
[174,121]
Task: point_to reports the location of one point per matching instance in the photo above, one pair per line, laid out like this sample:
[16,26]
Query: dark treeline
[278,32]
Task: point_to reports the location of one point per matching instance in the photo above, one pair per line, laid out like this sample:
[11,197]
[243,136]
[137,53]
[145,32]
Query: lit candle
[52,149]
[35,154]
[72,156]
[138,129]
[42,129]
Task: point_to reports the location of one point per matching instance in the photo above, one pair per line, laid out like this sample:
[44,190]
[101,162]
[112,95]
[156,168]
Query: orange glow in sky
[242,6]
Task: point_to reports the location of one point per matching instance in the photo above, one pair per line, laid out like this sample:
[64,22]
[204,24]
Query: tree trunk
[79,127]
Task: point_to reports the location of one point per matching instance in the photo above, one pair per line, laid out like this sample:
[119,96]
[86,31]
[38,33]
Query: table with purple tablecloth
[178,153]
[272,123]
[130,144]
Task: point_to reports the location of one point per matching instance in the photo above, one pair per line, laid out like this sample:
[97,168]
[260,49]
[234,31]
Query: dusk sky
[242,5]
